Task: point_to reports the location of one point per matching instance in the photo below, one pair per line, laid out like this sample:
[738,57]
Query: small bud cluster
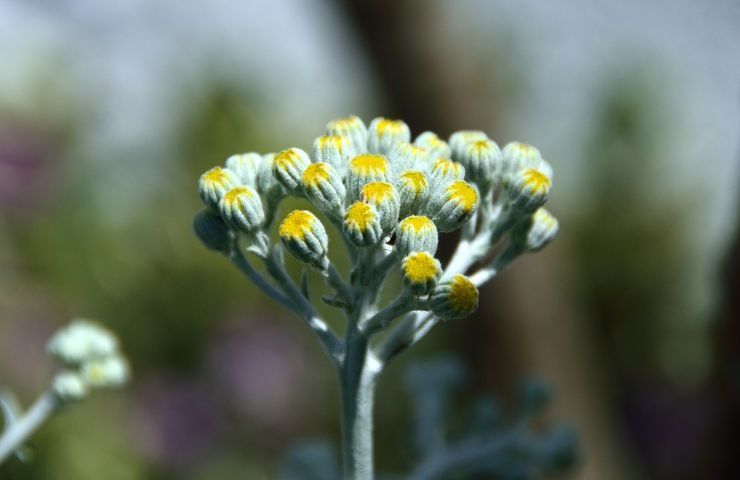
[385,190]
[91,358]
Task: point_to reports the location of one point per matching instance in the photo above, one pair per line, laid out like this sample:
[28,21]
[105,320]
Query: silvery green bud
[384,134]
[305,237]
[362,225]
[407,156]
[454,298]
[214,184]
[82,341]
[537,231]
[323,186]
[109,372]
[436,147]
[241,208]
[69,387]
[444,172]
[364,169]
[288,168]
[384,198]
[211,230]
[460,139]
[246,166]
[416,234]
[353,129]
[529,189]
[518,156]
[482,160]
[334,150]
[454,206]
[413,188]
[267,184]
[421,272]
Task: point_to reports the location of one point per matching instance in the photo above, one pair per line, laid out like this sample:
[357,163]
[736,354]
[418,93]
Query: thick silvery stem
[19,431]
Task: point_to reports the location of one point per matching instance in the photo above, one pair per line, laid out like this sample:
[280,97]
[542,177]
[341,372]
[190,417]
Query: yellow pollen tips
[446,165]
[463,194]
[369,164]
[315,174]
[286,158]
[215,175]
[463,294]
[297,224]
[420,267]
[361,215]
[415,179]
[233,195]
[416,222]
[536,180]
[335,141]
[481,144]
[386,125]
[376,192]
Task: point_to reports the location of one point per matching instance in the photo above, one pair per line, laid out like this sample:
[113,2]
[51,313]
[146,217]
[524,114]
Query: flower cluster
[91,357]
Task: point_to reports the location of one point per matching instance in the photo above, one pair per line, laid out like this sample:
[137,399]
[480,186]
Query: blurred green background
[109,111]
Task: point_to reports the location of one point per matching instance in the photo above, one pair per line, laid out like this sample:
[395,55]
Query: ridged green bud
[529,189]
[323,186]
[68,386]
[353,129]
[384,134]
[519,156]
[416,234]
[241,208]
[413,188]
[362,225]
[288,168]
[267,184]
[454,298]
[454,206]
[384,198]
[109,372]
[421,272]
[537,231]
[460,139]
[334,150]
[364,169]
[482,160]
[444,172]
[246,166]
[305,237]
[407,156]
[436,147]
[211,230]
[214,184]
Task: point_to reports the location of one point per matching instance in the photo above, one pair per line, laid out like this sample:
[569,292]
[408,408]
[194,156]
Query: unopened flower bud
[529,189]
[416,234]
[214,184]
[267,184]
[421,272]
[246,166]
[288,168]
[364,169]
[384,134]
[82,341]
[454,298]
[453,207]
[241,208]
[109,372]
[407,156]
[482,160]
[519,156]
[353,129]
[211,230]
[334,150]
[69,387]
[444,172]
[362,225]
[436,147]
[323,186]
[537,231]
[305,237]
[460,139]
[413,189]
[384,198]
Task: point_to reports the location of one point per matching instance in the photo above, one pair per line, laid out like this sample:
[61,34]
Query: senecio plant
[90,359]
[390,198]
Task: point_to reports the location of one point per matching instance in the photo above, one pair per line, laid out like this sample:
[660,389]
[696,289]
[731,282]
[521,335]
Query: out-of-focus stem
[19,431]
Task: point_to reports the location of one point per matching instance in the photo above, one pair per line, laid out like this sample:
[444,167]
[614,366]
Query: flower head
[353,129]
[246,167]
[214,184]
[382,196]
[364,169]
[454,206]
[454,298]
[385,134]
[420,272]
[529,189]
[323,185]
[537,231]
[305,237]
[460,139]
[413,188]
[362,225]
[288,167]
[334,150]
[482,160]
[436,147]
[82,341]
[242,209]
[416,233]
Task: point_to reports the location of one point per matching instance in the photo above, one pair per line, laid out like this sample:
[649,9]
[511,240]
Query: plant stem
[17,432]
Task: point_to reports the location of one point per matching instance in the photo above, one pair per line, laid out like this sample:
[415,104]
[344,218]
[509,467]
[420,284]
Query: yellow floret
[536,180]
[420,267]
[446,166]
[232,196]
[297,224]
[416,222]
[463,294]
[416,180]
[463,194]
[386,125]
[361,215]
[368,164]
[336,141]
[315,174]
[215,175]
[286,158]
[376,192]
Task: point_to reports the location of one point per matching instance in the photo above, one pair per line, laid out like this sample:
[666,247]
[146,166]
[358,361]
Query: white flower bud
[453,207]
[267,184]
[482,160]
[362,225]
[421,272]
[445,171]
[416,234]
[211,229]
[436,147]
[537,231]
[323,186]
[246,166]
[81,341]
[364,169]
[109,372]
[529,189]
[384,134]
[460,139]
[288,168]
[353,129]
[384,198]
[454,298]
[413,188]
[407,156]
[519,156]
[305,237]
[242,209]
[69,386]
[214,184]
[334,150]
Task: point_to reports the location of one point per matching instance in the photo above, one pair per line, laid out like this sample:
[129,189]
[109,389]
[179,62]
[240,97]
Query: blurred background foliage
[110,111]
